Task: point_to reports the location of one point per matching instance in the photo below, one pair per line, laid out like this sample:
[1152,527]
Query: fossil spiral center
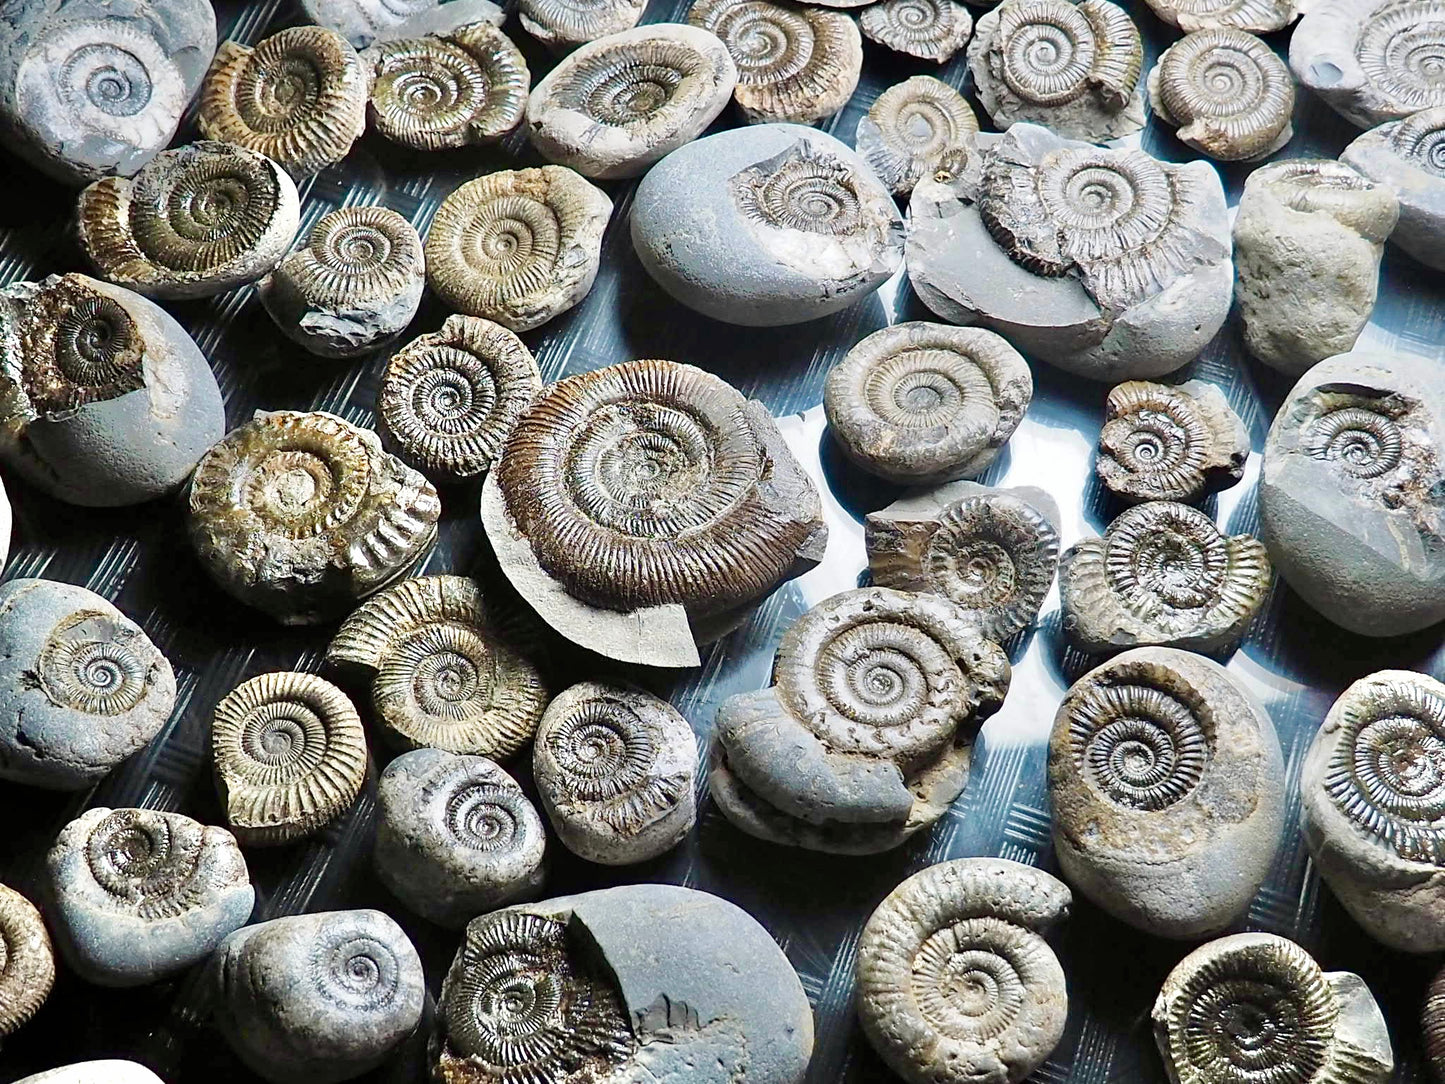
[1140,747]
[112,79]
[917,16]
[967,980]
[87,665]
[1361,442]
[360,972]
[289,483]
[1401,761]
[1252,1030]
[482,817]
[805,190]
[768,43]
[282,741]
[628,92]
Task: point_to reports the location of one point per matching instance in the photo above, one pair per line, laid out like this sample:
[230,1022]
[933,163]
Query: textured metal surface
[813,905]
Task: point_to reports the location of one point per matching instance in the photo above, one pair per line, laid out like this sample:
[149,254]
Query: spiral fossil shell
[448,90]
[1254,1006]
[1432,1024]
[290,756]
[563,24]
[1227,92]
[27,962]
[795,63]
[928,29]
[921,402]
[299,98]
[1169,443]
[1407,157]
[955,980]
[1420,140]
[1256,16]
[444,674]
[517,246]
[910,128]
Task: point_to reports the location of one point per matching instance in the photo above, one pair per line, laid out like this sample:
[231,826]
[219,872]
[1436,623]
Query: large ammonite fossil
[289,756]
[564,24]
[27,961]
[1162,574]
[1254,1007]
[1164,770]
[911,127]
[443,672]
[866,733]
[640,504]
[299,98]
[300,514]
[517,246]
[1256,16]
[956,983]
[795,63]
[1164,442]
[1408,157]
[928,29]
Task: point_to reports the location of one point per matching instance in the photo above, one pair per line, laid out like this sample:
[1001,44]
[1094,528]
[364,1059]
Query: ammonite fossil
[363,22]
[1226,92]
[199,220]
[643,504]
[353,287]
[1163,442]
[455,89]
[1408,157]
[289,756]
[795,63]
[443,673]
[1253,1006]
[955,980]
[919,402]
[300,514]
[322,997]
[616,769]
[1166,788]
[1432,1023]
[1074,67]
[992,552]
[910,127]
[455,836]
[517,246]
[564,24]
[299,98]
[928,29]
[138,894]
[27,967]
[867,680]
[1256,16]
[1162,574]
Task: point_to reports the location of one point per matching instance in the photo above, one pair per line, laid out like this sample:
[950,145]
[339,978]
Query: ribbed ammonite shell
[448,400]
[564,24]
[1420,140]
[1432,1023]
[1227,92]
[464,87]
[300,514]
[1257,16]
[289,756]
[928,29]
[517,246]
[299,98]
[443,673]
[921,402]
[956,983]
[795,63]
[1162,442]
[910,128]
[27,961]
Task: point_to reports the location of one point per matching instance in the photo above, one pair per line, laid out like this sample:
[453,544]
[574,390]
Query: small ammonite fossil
[1255,1006]
[866,734]
[1166,790]
[1226,92]
[616,769]
[447,400]
[27,966]
[1162,574]
[910,128]
[138,894]
[562,25]
[1074,67]
[455,836]
[354,286]
[920,403]
[795,63]
[956,983]
[196,221]
[992,552]
[517,246]
[1256,16]
[317,998]
[928,29]
[1163,442]
[1408,157]
[301,514]
[443,672]
[620,103]
[289,756]
[454,89]
[298,97]
[645,506]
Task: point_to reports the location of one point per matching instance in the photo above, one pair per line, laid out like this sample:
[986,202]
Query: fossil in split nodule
[644,507]
[866,734]
[27,971]
[956,983]
[562,25]
[1408,157]
[1166,791]
[1169,442]
[928,29]
[910,127]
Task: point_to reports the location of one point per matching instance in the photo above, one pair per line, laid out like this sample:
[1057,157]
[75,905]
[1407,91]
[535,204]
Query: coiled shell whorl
[911,127]
[1420,140]
[563,24]
[1432,1023]
[1164,442]
[1325,186]
[1256,16]
[27,961]
[928,29]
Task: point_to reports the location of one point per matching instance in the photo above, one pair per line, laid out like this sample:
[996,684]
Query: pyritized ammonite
[564,24]
[928,29]
[911,127]
[27,962]
[1164,442]
[955,980]
[1254,1007]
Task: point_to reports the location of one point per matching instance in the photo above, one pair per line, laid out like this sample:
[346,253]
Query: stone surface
[362,22]
[1408,158]
[779,224]
[110,1071]
[1258,16]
